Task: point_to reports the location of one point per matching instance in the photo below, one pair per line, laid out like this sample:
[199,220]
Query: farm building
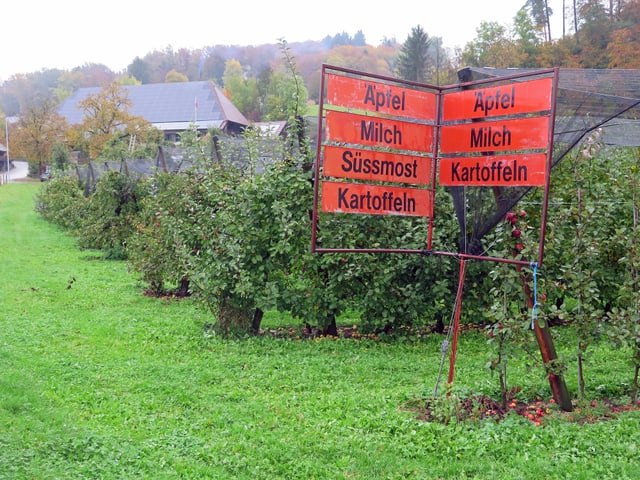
[170,107]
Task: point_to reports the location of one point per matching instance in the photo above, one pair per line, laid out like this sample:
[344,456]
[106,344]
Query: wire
[447,341]
[444,348]
[534,313]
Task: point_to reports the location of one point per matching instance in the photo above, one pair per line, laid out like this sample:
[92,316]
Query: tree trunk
[331,329]
[611,11]
[183,287]
[575,21]
[257,319]
[634,391]
[503,382]
[580,376]
[548,18]
[233,320]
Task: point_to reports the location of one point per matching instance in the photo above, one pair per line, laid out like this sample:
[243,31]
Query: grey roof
[168,106]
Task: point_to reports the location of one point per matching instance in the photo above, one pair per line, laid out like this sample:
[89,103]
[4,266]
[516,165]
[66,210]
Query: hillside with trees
[596,34]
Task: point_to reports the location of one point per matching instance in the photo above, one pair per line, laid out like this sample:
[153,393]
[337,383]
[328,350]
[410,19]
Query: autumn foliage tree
[107,118]
[625,41]
[39,128]
[595,34]
[174,76]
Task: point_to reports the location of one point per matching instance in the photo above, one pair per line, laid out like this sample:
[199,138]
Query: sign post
[387,144]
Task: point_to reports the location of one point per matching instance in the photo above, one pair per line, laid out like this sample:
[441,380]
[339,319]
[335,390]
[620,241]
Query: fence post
[547,351]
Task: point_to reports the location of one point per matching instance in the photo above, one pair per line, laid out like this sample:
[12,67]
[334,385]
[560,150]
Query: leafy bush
[156,248]
[110,216]
[61,202]
[253,228]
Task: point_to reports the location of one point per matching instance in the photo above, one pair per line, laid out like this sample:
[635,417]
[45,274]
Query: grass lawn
[100,381]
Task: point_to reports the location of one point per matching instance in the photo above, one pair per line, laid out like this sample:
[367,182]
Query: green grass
[99,381]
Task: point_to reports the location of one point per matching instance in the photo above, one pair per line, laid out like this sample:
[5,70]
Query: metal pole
[195,115]
[547,351]
[6,137]
[456,320]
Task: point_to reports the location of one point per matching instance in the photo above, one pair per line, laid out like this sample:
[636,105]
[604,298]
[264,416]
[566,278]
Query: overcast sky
[65,34]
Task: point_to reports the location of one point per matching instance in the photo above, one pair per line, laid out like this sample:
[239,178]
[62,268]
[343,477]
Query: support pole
[547,351]
[456,320]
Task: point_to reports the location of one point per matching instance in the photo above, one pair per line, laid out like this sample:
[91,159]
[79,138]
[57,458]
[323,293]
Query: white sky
[65,34]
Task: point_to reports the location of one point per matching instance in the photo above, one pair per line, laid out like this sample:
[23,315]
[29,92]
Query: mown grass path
[99,381]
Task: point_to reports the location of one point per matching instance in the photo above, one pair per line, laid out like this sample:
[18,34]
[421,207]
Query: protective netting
[168,160]
[89,173]
[587,100]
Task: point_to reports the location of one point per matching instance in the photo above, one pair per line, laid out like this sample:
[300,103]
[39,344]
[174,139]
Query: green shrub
[110,216]
[251,229]
[156,248]
[61,202]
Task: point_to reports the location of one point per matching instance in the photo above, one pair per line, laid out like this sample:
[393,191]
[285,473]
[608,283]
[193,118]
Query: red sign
[509,170]
[382,131]
[339,197]
[345,162]
[517,134]
[377,131]
[380,97]
[510,99]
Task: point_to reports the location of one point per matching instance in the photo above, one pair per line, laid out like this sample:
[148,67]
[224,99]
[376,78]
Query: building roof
[168,106]
[275,127]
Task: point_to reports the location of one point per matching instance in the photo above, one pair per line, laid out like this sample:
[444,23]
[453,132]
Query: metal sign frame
[417,131]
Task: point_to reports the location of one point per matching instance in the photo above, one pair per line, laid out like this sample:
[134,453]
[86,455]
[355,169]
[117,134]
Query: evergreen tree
[413,58]
[359,39]
[139,69]
[60,156]
[540,14]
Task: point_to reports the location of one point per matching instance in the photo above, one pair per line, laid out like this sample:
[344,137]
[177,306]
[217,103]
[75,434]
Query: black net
[587,100]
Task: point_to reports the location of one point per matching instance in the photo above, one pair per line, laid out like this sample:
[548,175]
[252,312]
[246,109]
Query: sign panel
[383,137]
[342,197]
[515,98]
[379,97]
[376,131]
[516,134]
[343,162]
[517,170]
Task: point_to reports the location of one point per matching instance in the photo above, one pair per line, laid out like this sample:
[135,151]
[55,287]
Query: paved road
[19,171]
